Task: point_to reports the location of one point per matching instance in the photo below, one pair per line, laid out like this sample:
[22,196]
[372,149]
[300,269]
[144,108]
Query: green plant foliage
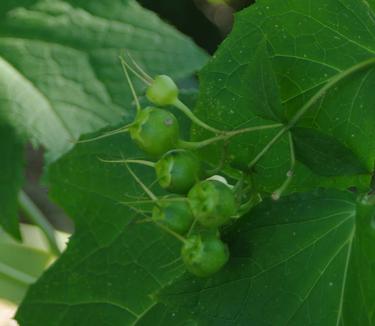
[317,150]
[307,45]
[113,265]
[59,64]
[306,258]
[21,264]
[11,179]
[285,111]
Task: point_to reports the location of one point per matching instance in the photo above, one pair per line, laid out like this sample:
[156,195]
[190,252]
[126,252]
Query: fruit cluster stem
[226,136]
[182,107]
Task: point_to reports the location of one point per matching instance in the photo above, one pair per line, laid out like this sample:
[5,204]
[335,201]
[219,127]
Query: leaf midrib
[339,313]
[319,278]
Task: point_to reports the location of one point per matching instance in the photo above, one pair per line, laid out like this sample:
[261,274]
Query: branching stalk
[228,135]
[141,162]
[289,176]
[182,107]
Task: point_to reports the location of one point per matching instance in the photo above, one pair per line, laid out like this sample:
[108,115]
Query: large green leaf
[60,73]
[297,261]
[308,43]
[287,257]
[113,265]
[11,179]
[306,260]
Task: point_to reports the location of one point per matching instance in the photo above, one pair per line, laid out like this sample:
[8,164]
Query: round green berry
[174,214]
[204,254]
[155,131]
[163,91]
[178,170]
[213,203]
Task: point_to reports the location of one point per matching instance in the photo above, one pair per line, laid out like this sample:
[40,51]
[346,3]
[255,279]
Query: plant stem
[143,186]
[318,95]
[277,194]
[142,162]
[16,275]
[228,135]
[105,135]
[37,217]
[130,83]
[138,75]
[148,219]
[150,201]
[199,144]
[175,234]
[140,69]
[182,107]
[192,227]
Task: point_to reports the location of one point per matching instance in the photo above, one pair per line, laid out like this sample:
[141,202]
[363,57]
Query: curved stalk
[182,107]
[16,274]
[289,176]
[38,218]
[141,162]
[107,134]
[228,135]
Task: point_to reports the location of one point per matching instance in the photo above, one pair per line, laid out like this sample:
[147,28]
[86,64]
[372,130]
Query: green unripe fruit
[163,91]
[155,131]
[204,254]
[213,203]
[175,215]
[178,170]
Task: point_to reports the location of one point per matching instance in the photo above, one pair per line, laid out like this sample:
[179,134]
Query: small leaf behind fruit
[324,154]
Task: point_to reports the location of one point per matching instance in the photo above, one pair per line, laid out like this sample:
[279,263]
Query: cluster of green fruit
[197,209]
[200,204]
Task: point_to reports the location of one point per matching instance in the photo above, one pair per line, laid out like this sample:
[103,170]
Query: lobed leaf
[307,45]
[60,73]
[287,257]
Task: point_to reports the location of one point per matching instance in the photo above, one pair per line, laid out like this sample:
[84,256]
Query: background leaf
[324,154]
[11,179]
[307,46]
[113,265]
[21,263]
[286,257]
[60,74]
